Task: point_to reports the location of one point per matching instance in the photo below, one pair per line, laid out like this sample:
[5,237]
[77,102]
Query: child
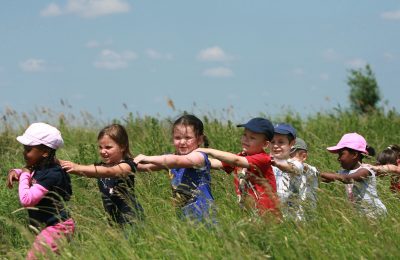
[43,188]
[288,172]
[360,180]
[309,177]
[254,179]
[189,169]
[388,161]
[115,175]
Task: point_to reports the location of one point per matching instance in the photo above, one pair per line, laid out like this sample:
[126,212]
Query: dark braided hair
[46,161]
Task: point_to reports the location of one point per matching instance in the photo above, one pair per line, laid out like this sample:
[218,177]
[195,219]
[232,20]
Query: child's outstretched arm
[215,163]
[169,161]
[227,157]
[94,171]
[289,167]
[384,169]
[359,175]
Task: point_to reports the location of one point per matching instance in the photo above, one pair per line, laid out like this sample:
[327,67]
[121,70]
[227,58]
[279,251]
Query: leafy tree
[364,90]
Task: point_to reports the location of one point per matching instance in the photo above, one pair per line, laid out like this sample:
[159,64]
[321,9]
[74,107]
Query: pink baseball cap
[353,141]
[41,133]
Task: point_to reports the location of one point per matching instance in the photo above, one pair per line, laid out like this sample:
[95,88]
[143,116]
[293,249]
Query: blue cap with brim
[260,125]
[285,129]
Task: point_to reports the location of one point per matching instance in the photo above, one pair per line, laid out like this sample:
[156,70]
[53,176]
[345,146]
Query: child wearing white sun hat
[43,188]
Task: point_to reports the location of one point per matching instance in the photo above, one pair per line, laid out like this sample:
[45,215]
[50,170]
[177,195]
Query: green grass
[335,230]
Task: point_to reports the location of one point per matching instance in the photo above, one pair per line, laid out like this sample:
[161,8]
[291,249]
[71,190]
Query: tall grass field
[334,230]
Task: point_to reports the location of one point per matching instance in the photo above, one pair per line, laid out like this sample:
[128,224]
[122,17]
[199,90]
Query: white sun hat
[41,133]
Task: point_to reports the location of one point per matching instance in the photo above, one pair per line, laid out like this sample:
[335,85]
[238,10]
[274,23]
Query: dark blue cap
[261,126]
[285,129]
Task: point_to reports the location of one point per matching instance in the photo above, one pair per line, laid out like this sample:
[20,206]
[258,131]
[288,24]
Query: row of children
[272,184]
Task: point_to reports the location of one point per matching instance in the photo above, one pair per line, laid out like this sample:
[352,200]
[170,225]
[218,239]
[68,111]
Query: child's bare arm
[169,161]
[215,163]
[286,166]
[149,167]
[384,169]
[227,157]
[345,178]
[94,171]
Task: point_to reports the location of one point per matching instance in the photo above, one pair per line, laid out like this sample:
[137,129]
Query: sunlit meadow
[334,230]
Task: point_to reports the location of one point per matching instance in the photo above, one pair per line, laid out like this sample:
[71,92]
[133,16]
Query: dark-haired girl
[360,180]
[389,162]
[189,169]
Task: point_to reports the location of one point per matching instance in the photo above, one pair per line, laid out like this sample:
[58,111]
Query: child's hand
[273,162]
[12,177]
[68,166]
[141,158]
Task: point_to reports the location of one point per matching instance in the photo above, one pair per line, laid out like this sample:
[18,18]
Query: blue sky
[249,57]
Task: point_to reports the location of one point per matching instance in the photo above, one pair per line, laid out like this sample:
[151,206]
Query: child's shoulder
[51,175]
[131,163]
[53,169]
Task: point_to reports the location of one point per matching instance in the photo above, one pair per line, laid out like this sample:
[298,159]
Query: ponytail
[370,150]
[206,143]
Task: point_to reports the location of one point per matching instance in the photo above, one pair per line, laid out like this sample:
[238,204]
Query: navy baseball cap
[261,126]
[285,129]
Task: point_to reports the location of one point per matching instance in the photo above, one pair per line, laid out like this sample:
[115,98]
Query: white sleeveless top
[364,195]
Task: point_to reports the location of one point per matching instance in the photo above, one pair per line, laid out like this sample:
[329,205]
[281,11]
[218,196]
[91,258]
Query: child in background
[189,169]
[115,175]
[388,161]
[287,171]
[360,180]
[307,182]
[254,179]
[43,188]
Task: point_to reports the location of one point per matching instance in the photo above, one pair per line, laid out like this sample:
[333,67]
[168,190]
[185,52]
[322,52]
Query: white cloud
[113,60]
[356,63]
[33,65]
[155,55]
[91,8]
[298,71]
[218,72]
[330,55]
[87,8]
[213,54]
[51,10]
[389,56]
[391,15]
